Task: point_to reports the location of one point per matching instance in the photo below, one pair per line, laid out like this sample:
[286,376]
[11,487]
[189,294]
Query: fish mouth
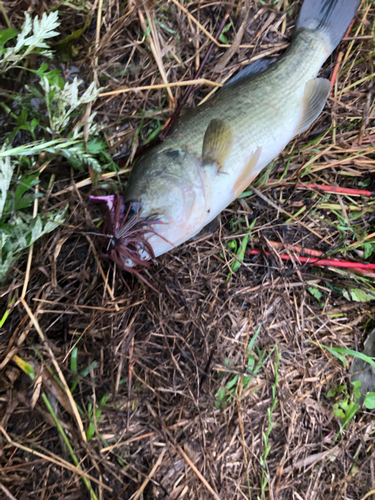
[125,234]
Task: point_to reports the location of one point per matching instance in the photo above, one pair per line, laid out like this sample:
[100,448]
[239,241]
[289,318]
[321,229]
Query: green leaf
[251,363]
[6,171]
[221,394]
[369,401]
[254,338]
[364,183]
[18,200]
[339,351]
[54,76]
[6,35]
[331,393]
[368,250]
[356,354]
[90,431]
[96,146]
[342,388]
[53,146]
[232,382]
[339,356]
[34,123]
[338,412]
[351,411]
[356,385]
[233,245]
[358,295]
[73,360]
[222,37]
[251,227]
[315,292]
[31,39]
[240,253]
[344,404]
[245,194]
[104,399]
[75,35]
[26,367]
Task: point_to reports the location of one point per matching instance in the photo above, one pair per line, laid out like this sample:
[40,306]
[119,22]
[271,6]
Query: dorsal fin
[250,71]
[314,99]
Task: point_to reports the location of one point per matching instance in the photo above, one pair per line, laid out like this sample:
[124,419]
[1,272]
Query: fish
[215,151]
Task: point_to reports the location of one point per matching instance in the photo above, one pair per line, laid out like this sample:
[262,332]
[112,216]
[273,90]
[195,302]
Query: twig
[60,462]
[130,376]
[368,494]
[149,477]
[340,55]
[328,189]
[58,370]
[2,487]
[202,478]
[202,28]
[109,289]
[267,200]
[30,256]
[155,48]
[293,248]
[321,262]
[201,81]
[97,39]
[2,10]
[88,181]
[128,441]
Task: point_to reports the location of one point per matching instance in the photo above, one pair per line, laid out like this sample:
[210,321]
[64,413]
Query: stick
[204,481]
[58,370]
[321,262]
[201,81]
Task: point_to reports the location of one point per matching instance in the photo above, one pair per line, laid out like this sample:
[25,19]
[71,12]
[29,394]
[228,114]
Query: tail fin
[331,16]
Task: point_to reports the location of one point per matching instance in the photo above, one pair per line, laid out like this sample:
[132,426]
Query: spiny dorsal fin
[217,143]
[314,99]
[250,71]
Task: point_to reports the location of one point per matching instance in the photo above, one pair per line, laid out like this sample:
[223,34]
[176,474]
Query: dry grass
[165,435]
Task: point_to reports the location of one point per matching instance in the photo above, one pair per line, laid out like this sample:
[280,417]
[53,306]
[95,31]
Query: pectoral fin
[314,99]
[217,143]
[248,174]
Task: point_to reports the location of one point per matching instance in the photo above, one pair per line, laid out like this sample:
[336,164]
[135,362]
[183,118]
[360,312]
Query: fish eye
[173,154]
[134,207]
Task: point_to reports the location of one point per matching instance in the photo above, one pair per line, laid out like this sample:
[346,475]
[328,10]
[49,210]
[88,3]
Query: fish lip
[127,232]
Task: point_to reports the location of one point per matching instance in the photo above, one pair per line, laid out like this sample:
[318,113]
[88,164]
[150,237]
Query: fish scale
[251,107]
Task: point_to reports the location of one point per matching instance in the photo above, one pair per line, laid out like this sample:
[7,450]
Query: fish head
[168,187]
[174,189]
[164,204]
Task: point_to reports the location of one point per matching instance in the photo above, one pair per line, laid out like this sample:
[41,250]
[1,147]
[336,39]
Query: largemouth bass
[216,150]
